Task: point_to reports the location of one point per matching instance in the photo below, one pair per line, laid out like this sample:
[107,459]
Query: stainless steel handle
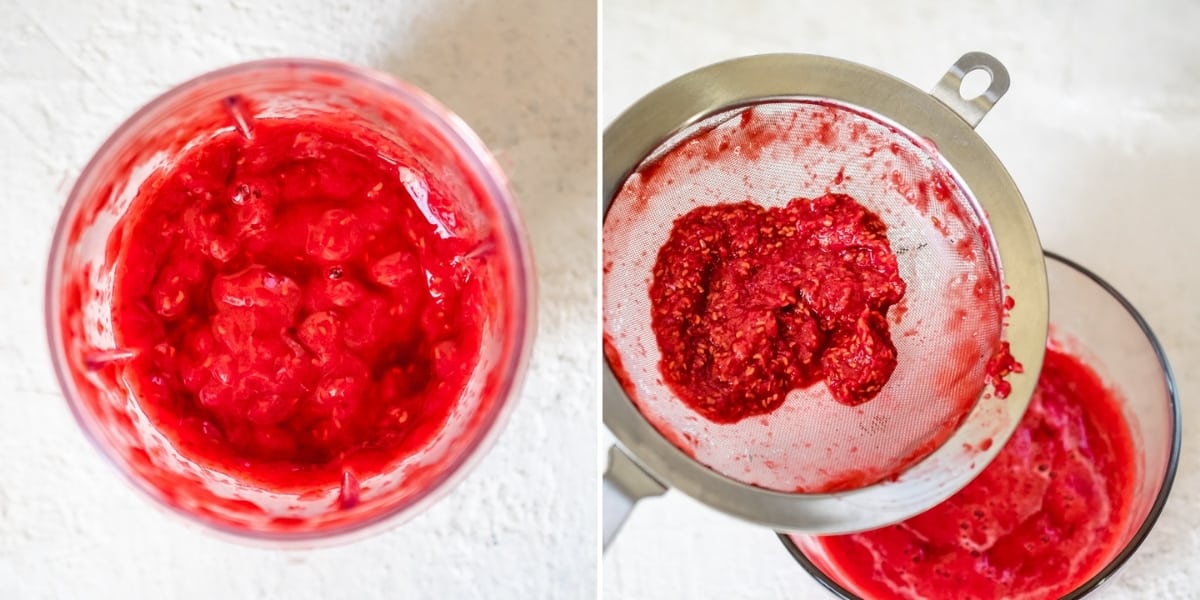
[625,482]
[949,89]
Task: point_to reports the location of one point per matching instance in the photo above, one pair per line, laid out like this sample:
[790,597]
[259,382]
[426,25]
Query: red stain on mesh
[999,366]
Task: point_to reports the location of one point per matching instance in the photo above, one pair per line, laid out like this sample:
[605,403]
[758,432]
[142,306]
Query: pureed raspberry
[296,310]
[750,303]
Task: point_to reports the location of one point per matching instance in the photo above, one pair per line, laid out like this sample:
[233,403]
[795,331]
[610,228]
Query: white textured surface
[522,73]
[1101,131]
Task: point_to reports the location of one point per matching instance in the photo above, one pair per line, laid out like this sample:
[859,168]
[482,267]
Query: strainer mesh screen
[945,329]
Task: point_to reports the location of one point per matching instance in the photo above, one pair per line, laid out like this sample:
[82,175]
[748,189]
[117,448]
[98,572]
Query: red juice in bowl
[1043,518]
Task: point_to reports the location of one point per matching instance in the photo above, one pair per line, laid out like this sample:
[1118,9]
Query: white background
[522,74]
[1100,130]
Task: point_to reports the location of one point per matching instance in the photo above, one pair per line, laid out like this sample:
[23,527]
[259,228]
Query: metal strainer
[769,129]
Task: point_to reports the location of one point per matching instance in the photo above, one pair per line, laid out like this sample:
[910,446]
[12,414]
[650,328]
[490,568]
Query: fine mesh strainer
[770,129]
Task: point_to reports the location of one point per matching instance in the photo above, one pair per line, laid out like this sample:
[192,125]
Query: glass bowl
[79,289]
[1103,328]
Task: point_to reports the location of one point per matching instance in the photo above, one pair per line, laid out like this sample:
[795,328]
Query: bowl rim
[1118,561]
[482,166]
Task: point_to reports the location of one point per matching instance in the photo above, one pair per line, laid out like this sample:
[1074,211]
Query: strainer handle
[949,89]
[624,484]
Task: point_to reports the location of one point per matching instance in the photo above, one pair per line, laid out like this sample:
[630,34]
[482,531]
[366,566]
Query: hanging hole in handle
[966,102]
[974,83]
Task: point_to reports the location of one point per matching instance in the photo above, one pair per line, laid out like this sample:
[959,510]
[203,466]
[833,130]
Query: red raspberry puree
[295,308]
[750,303]
[1037,522]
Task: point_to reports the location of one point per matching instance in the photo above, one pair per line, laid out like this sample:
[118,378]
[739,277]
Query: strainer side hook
[949,89]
